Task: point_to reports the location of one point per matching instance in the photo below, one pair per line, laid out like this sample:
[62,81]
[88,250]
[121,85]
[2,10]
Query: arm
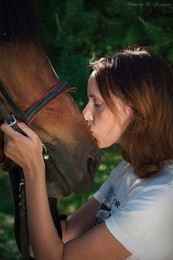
[97,243]
[80,221]
[26,151]
[43,235]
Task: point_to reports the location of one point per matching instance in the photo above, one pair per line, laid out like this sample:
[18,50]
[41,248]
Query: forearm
[45,241]
[80,221]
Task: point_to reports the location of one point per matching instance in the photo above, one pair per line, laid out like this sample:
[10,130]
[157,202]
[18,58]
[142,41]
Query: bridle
[30,114]
[49,97]
[16,175]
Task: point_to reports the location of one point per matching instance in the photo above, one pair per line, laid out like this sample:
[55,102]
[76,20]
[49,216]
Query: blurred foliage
[75,30]
[8,247]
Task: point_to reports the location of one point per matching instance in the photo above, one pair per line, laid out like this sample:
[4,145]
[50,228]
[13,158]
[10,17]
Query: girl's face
[106,127]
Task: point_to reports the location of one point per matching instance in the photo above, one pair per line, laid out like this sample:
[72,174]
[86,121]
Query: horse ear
[19,21]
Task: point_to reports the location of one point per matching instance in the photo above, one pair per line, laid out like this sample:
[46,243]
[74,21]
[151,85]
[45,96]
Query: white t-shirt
[139,213]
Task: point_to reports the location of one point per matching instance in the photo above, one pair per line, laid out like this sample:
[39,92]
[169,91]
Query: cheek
[102,125]
[109,129]
[113,129]
[108,133]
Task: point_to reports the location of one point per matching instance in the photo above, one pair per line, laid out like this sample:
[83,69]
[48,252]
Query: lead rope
[22,238]
[24,235]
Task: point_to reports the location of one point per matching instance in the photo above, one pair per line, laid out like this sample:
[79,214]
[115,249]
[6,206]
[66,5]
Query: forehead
[93,90]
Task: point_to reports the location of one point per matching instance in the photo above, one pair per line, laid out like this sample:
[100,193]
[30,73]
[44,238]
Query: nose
[87,113]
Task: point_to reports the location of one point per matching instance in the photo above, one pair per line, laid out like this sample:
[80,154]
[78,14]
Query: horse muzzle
[65,176]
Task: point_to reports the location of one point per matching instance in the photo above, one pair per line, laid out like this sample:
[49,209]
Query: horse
[28,76]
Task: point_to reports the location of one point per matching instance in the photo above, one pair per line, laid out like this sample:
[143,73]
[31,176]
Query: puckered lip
[92,132]
[93,136]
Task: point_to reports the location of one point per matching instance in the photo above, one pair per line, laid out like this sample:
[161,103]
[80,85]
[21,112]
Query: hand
[26,151]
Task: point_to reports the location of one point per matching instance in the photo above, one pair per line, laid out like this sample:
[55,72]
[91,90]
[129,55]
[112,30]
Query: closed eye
[97,105]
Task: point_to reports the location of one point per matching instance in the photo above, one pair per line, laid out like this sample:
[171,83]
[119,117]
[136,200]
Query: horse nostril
[92,164]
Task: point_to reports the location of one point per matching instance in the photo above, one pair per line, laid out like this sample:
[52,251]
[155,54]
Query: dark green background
[75,30]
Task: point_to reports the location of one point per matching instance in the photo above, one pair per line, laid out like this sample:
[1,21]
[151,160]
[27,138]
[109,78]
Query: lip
[93,136]
[92,132]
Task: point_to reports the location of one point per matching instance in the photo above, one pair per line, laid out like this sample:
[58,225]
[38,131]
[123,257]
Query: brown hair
[143,80]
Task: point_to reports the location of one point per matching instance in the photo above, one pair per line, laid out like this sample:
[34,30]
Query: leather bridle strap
[10,101]
[28,116]
[55,92]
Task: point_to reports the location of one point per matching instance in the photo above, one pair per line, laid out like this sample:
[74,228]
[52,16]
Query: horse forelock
[19,21]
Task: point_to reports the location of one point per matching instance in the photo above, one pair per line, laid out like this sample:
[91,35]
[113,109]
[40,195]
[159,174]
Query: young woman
[131,216]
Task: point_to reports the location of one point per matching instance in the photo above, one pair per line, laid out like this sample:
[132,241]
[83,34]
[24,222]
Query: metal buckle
[11,123]
[45,152]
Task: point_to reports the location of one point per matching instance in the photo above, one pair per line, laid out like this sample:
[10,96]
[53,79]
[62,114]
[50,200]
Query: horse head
[27,74]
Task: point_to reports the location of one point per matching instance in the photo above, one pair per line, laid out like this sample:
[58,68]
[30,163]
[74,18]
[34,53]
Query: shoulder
[114,179]
[143,221]
[120,170]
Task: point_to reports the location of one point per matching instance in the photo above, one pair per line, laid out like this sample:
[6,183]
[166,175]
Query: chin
[101,145]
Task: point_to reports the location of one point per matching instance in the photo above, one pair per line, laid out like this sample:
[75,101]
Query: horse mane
[19,21]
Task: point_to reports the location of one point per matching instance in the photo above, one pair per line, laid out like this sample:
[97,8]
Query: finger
[27,130]
[5,139]
[6,144]
[11,132]
[8,130]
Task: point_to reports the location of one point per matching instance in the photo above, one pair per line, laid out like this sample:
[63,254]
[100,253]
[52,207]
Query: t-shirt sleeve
[144,224]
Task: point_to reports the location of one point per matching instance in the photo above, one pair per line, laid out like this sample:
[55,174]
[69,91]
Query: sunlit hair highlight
[144,82]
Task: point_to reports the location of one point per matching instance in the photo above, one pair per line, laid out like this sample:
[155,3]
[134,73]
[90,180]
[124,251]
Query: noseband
[16,176]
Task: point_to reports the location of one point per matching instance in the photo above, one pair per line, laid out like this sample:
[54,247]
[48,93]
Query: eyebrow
[93,96]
